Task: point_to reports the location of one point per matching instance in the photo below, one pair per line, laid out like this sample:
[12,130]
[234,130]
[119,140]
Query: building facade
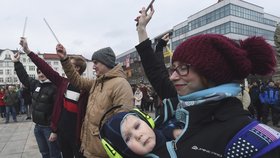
[235,19]
[8,75]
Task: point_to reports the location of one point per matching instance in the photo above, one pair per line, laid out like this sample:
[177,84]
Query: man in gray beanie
[106,56]
[109,89]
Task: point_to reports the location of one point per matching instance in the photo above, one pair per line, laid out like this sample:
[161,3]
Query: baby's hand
[177,132]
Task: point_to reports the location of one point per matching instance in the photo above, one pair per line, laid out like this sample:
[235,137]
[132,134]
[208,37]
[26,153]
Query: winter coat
[138,95]
[43,95]
[2,103]
[270,96]
[11,98]
[106,91]
[245,98]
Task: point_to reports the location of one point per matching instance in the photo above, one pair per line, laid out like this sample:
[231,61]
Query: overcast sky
[84,26]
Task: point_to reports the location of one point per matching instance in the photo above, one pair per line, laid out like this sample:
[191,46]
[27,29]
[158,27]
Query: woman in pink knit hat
[200,90]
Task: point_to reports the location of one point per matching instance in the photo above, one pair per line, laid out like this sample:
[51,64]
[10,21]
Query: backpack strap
[254,140]
[167,112]
[182,116]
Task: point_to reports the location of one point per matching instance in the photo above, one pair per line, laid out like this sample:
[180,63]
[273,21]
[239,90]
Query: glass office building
[235,19]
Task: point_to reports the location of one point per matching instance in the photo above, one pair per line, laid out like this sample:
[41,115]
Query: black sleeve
[155,72]
[159,51]
[24,78]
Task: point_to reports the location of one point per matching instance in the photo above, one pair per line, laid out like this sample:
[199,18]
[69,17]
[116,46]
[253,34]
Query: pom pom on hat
[221,60]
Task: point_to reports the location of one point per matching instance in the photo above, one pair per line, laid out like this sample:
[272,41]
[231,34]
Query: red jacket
[2,103]
[62,84]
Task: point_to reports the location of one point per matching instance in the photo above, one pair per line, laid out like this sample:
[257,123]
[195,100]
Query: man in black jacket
[43,96]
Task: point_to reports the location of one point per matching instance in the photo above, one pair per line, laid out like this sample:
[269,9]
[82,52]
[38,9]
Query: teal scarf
[197,98]
[211,94]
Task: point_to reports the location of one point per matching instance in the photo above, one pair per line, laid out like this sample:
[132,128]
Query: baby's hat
[111,132]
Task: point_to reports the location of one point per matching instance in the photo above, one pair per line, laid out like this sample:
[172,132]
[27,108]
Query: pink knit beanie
[223,60]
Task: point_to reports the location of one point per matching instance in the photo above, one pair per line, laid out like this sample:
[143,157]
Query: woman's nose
[174,76]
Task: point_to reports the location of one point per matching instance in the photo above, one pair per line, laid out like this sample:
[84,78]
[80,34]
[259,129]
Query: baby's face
[138,135]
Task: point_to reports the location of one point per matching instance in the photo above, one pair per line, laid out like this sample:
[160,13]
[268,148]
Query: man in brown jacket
[109,89]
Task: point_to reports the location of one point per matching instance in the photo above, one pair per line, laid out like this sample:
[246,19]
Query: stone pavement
[17,139]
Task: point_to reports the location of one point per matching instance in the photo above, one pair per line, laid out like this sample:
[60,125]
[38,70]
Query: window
[32,76]
[8,56]
[8,72]
[55,63]
[1,72]
[1,79]
[9,79]
[31,68]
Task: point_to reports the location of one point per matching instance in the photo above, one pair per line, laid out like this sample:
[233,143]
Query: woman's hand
[142,22]
[144,18]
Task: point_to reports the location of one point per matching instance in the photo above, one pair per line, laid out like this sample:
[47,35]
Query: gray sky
[84,26]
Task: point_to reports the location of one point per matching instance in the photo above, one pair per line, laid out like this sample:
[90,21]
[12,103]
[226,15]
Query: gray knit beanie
[106,56]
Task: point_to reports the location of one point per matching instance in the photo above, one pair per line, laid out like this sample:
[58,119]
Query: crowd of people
[265,101]
[197,108]
[15,100]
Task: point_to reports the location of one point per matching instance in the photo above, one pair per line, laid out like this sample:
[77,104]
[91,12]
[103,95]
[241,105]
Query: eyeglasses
[182,70]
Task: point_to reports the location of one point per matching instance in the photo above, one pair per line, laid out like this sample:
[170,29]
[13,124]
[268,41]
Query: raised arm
[73,76]
[153,67]
[142,21]
[22,74]
[47,70]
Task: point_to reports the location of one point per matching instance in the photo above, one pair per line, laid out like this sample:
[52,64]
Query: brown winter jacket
[107,90]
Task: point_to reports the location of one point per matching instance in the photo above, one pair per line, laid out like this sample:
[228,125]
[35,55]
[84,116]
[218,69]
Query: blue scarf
[197,98]
[211,94]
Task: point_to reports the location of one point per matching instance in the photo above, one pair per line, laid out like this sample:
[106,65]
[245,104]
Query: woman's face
[138,135]
[185,79]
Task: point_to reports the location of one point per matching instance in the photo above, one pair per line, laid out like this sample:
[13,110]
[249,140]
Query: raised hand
[61,51]
[24,44]
[16,57]
[142,22]
[144,18]
[166,37]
